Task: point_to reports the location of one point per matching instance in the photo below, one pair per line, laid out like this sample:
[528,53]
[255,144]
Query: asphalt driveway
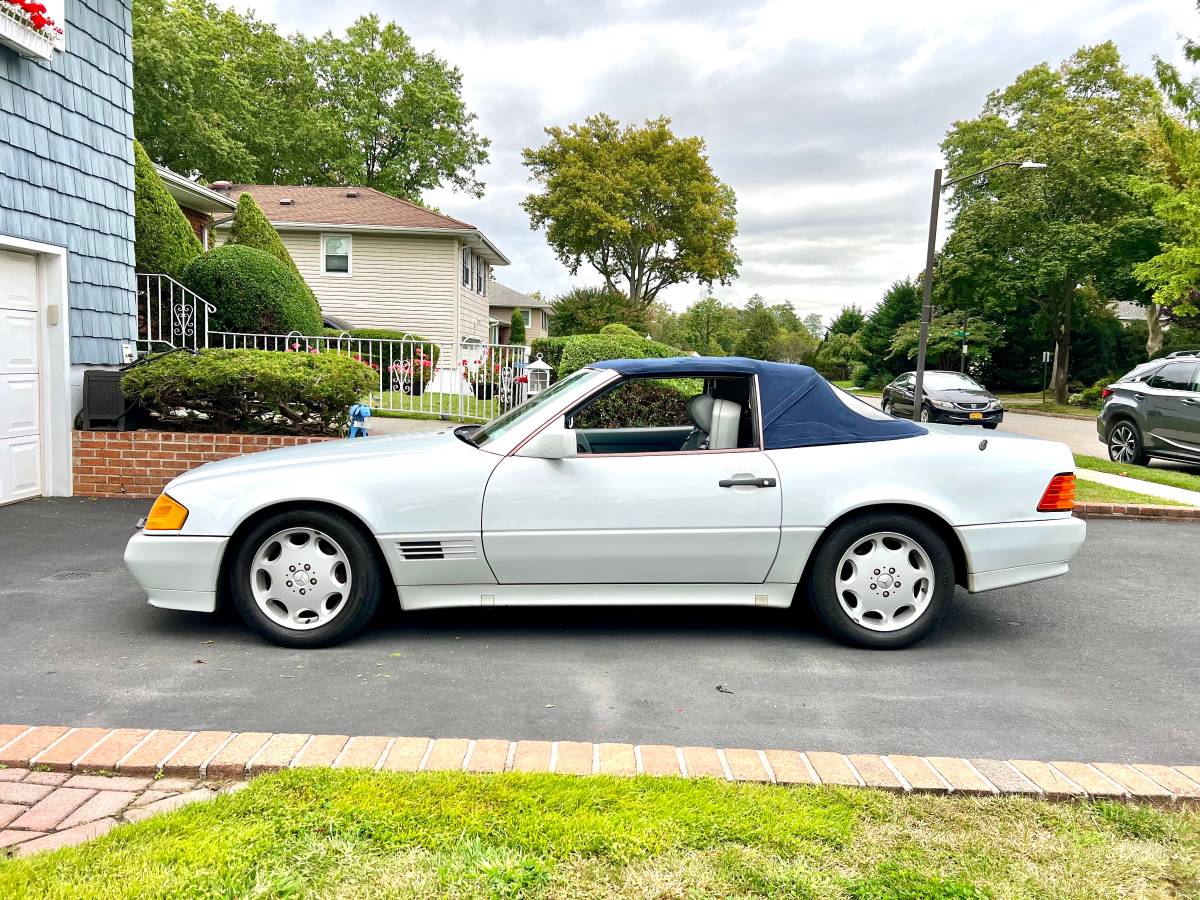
[1098,664]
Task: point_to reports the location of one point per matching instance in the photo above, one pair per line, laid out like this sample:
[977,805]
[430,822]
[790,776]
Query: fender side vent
[454,548]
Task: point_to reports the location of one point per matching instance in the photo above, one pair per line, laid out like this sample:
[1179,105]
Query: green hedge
[250,391]
[253,292]
[621,330]
[419,356]
[640,404]
[164,242]
[551,349]
[584,349]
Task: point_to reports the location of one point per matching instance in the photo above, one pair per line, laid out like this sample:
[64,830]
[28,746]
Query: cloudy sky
[824,117]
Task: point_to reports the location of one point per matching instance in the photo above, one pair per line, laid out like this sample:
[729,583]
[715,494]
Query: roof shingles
[335,206]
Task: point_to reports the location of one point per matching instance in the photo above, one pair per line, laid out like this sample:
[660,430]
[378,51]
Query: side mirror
[555,442]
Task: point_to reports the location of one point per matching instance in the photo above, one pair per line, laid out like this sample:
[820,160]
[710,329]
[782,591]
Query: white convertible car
[767,485]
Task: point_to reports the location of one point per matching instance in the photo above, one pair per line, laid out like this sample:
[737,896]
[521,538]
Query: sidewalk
[1165,491]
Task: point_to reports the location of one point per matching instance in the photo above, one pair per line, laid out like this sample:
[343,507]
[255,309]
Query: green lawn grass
[431,405]
[1095,492]
[1171,477]
[1033,403]
[327,833]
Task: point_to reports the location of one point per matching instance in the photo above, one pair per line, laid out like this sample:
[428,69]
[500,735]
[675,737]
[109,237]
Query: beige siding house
[375,261]
[503,300]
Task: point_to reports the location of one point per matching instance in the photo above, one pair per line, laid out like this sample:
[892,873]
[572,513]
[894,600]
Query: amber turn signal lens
[1060,494]
[167,514]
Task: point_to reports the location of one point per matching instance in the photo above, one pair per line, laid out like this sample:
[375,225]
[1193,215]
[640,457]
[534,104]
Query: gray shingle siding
[66,168]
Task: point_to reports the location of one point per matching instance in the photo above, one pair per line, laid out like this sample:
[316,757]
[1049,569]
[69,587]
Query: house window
[479,277]
[545,321]
[466,268]
[527,317]
[487,276]
[335,254]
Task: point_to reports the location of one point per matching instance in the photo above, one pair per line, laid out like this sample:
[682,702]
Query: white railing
[169,314]
[466,380]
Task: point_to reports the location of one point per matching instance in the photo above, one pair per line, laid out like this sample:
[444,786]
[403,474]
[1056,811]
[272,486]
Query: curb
[1022,411]
[238,755]
[1127,511]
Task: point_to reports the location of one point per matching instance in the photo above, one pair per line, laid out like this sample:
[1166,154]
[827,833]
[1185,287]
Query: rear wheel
[305,578]
[887,407]
[882,580]
[1125,444]
[926,414]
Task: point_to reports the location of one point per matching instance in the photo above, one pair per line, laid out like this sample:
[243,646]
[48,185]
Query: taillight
[1105,393]
[1060,494]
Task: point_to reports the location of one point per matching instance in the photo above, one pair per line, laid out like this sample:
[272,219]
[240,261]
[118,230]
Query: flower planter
[484,390]
[415,387]
[16,33]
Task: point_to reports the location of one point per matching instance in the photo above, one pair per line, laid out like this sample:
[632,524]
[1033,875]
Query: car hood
[961,395]
[335,450]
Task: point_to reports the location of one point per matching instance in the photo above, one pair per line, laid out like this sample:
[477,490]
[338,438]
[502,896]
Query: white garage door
[20,441]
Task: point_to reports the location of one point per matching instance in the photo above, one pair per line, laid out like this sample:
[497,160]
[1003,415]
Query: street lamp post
[927,290]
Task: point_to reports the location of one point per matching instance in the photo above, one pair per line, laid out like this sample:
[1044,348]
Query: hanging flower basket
[25,27]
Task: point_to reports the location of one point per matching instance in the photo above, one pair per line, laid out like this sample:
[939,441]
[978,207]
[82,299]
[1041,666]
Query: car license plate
[976,415]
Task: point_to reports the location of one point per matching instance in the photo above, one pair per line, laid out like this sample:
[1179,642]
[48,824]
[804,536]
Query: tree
[164,242]
[220,93]
[838,355]
[944,350]
[795,347]
[400,124]
[1026,241]
[815,325]
[760,331]
[901,303]
[638,204]
[251,228]
[516,334]
[588,309]
[848,321]
[710,327]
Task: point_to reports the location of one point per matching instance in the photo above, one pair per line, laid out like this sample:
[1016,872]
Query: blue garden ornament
[359,414]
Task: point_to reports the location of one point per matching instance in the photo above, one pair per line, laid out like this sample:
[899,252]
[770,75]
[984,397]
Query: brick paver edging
[1130,511]
[239,755]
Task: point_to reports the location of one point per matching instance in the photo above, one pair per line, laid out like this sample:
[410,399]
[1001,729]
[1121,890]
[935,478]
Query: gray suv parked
[1154,411]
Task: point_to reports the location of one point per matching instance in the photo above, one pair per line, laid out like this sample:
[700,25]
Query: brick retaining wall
[140,463]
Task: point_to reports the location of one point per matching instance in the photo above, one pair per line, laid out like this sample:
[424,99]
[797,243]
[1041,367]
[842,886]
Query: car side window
[1174,377]
[651,415]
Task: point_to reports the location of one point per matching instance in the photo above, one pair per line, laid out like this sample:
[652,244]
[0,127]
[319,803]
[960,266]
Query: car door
[902,403]
[1173,409]
[657,518]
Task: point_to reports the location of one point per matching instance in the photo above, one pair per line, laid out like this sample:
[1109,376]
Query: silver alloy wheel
[885,581]
[887,407]
[924,413]
[1122,443]
[300,578]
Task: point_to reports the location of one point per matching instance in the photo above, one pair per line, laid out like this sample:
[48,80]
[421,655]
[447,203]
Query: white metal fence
[170,315]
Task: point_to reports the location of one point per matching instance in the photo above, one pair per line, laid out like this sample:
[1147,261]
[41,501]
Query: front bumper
[1011,553]
[177,571]
[962,417]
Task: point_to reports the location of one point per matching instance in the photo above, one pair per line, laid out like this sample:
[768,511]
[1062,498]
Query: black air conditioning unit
[103,401]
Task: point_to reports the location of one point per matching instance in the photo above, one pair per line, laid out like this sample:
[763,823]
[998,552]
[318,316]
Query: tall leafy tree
[814,325]
[848,321]
[638,204]
[838,355]
[945,342]
[516,334]
[760,330]
[901,303]
[710,327]
[1024,242]
[400,122]
[586,310]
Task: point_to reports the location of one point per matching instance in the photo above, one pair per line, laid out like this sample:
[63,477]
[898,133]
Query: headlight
[943,404]
[167,514]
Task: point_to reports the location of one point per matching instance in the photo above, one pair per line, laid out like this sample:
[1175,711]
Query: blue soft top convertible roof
[799,407]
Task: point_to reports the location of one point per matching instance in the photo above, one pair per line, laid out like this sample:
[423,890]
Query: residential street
[1078,434]
[1095,665]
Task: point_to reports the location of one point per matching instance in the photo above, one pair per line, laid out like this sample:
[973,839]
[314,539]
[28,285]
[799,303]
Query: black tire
[887,407]
[822,580]
[1124,432]
[991,426]
[927,414]
[357,608]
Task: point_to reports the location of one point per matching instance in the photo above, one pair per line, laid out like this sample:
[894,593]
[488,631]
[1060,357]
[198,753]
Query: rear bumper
[1019,552]
[175,571]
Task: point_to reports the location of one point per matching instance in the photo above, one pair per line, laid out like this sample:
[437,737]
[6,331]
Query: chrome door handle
[747,482]
[1191,400]
[1139,396]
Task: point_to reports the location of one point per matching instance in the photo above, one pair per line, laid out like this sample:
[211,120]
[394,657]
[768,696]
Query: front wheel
[881,581]
[1125,444]
[305,578]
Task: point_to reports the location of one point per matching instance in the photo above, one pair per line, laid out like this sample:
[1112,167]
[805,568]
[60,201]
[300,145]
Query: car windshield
[506,422]
[948,381]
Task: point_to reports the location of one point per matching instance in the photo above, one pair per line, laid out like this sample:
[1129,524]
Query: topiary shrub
[251,228]
[584,349]
[164,242]
[418,356]
[253,292]
[551,349]
[621,330]
[250,391]
[516,334]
